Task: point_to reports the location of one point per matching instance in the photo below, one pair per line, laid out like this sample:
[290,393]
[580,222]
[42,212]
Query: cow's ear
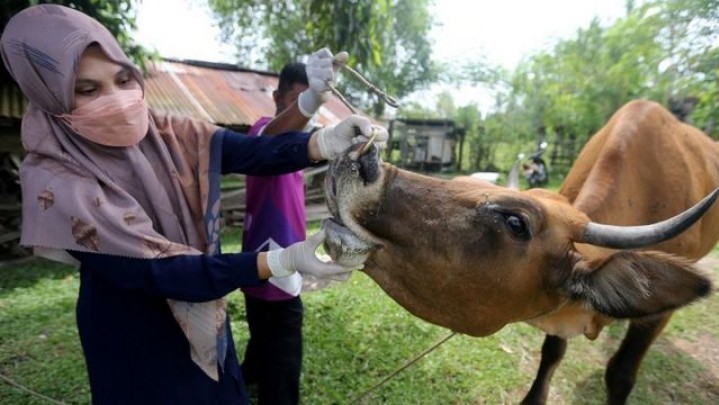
[632,284]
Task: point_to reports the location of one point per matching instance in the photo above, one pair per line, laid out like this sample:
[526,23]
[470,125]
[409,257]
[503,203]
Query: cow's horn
[631,237]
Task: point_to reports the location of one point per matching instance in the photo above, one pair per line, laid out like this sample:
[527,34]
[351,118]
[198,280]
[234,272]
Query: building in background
[425,145]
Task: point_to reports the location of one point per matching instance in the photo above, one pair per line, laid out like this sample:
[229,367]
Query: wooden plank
[311,172]
[11,143]
[233,199]
[317,211]
[10,207]
[9,236]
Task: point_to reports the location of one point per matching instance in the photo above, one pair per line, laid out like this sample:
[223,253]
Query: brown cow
[474,257]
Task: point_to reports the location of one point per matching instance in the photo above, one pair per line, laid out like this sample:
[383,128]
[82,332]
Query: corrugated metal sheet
[219,93]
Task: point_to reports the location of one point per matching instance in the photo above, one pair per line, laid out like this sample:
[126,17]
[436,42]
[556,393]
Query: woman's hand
[328,142]
[300,257]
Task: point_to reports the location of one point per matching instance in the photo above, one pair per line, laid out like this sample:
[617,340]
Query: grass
[355,336]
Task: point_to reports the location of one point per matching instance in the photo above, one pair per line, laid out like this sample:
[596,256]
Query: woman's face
[97,76]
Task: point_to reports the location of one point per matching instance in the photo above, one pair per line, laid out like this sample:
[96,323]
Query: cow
[619,240]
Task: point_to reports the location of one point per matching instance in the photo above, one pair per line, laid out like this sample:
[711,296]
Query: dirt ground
[706,349]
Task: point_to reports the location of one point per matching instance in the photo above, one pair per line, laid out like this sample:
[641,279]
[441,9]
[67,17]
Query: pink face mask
[120,119]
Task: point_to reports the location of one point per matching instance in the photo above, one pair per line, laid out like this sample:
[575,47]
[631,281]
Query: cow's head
[473,257]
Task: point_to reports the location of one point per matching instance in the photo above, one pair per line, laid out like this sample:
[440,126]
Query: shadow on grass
[26,272]
[371,337]
[667,375]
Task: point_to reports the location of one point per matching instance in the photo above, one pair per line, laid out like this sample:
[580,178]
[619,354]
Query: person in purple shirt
[131,196]
[275,217]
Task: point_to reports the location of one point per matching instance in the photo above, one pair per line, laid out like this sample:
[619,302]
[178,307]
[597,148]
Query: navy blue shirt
[135,351]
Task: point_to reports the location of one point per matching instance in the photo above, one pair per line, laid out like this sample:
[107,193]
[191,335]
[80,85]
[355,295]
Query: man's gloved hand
[321,68]
[333,140]
[301,257]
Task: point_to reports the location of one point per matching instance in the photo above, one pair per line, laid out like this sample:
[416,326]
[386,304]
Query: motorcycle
[533,168]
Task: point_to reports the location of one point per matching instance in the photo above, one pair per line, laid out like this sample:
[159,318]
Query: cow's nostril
[369,165]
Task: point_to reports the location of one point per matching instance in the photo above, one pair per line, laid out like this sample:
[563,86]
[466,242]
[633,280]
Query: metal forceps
[389,100]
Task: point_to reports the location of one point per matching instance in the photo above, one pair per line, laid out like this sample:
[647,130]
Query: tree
[689,37]
[387,40]
[117,15]
[663,50]
[576,86]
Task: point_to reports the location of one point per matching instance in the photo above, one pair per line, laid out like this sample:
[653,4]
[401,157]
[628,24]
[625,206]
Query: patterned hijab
[150,200]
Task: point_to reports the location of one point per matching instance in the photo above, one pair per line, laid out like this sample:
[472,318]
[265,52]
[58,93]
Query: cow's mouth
[346,241]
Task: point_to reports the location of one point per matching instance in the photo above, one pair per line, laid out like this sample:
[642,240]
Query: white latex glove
[300,257]
[334,139]
[321,68]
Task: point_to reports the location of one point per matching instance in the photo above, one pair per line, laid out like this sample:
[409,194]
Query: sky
[504,30]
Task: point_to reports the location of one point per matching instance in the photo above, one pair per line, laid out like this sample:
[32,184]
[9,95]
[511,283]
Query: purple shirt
[274,217]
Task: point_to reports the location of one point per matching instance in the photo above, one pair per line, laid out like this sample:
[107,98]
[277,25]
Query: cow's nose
[369,164]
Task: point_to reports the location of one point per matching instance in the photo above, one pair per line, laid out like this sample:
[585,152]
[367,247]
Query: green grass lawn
[355,336]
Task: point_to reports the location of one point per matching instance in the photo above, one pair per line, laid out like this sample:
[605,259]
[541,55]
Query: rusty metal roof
[223,94]
[224,97]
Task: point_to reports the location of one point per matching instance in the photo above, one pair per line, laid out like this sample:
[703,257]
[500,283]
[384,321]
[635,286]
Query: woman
[132,196]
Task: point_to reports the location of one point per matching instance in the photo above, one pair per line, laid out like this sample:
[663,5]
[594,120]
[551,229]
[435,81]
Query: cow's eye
[517,226]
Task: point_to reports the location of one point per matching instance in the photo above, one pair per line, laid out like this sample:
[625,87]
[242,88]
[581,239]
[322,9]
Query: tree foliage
[387,40]
[117,15]
[664,50]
